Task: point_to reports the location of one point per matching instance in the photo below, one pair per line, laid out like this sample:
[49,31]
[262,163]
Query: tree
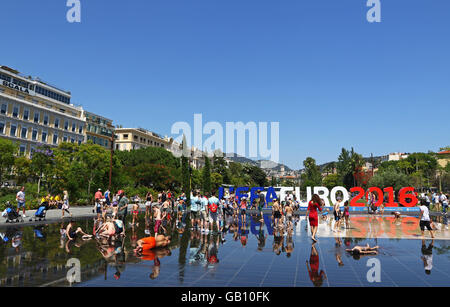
[220,167]
[206,172]
[257,175]
[390,178]
[7,151]
[42,164]
[216,181]
[22,169]
[93,164]
[312,176]
[331,181]
[186,171]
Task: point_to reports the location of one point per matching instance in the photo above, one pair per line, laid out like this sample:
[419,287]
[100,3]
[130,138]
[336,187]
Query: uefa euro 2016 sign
[407,196]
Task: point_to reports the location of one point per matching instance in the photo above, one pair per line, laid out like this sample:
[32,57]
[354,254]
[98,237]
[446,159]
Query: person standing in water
[312,214]
[337,214]
[425,221]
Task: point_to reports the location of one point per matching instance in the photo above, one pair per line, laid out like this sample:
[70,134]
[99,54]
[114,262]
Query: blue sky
[329,77]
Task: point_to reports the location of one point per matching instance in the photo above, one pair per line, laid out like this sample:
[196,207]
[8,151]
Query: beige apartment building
[99,129]
[136,138]
[34,113]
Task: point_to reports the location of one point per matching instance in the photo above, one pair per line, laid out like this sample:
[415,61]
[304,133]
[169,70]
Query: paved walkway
[55,215]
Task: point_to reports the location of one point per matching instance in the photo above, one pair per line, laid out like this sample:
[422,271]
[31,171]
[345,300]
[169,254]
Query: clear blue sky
[318,67]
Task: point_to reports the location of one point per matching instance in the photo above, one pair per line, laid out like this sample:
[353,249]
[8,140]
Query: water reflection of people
[313,268]
[338,251]
[212,251]
[155,255]
[278,241]
[289,244]
[427,256]
[244,235]
[261,238]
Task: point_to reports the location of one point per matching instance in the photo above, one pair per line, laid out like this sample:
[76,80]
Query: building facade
[443,158]
[99,129]
[34,113]
[136,138]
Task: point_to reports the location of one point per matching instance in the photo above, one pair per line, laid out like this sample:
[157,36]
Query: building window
[12,131]
[34,135]
[56,122]
[73,127]
[46,119]
[72,140]
[80,130]
[106,143]
[22,149]
[55,139]
[24,133]
[65,138]
[2,128]
[66,125]
[3,108]
[79,142]
[36,117]
[26,114]
[44,136]
[125,136]
[15,111]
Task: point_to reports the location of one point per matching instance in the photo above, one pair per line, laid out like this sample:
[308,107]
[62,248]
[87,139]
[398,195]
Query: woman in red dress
[313,206]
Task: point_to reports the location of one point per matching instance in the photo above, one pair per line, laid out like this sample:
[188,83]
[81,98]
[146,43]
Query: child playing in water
[347,215]
[135,212]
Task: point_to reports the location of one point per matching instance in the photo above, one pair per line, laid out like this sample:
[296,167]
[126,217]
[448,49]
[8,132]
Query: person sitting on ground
[108,229]
[72,233]
[361,250]
[151,242]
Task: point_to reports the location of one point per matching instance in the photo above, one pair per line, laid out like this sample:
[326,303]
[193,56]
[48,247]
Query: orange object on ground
[149,243]
[148,255]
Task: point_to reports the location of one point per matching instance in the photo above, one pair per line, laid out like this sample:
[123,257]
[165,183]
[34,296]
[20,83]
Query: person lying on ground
[363,250]
[151,242]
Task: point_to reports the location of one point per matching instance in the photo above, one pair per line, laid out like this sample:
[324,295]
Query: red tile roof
[444,152]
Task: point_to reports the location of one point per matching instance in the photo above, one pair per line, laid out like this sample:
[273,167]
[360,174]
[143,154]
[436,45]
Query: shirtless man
[276,209]
[289,211]
[361,250]
[337,214]
[151,243]
[72,233]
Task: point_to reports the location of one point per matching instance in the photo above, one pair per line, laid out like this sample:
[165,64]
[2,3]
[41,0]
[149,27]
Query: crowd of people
[210,219]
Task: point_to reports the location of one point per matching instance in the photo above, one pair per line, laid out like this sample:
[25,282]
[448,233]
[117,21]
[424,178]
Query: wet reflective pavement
[251,256]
